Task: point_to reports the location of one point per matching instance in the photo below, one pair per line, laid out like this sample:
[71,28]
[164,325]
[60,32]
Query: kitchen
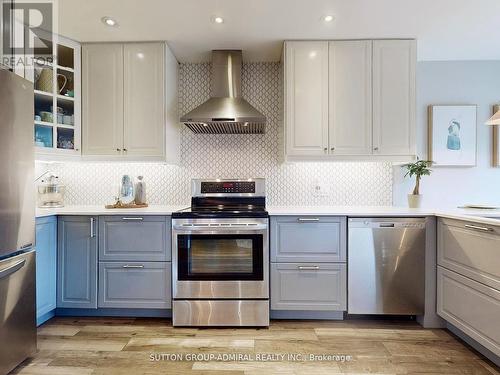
[276,226]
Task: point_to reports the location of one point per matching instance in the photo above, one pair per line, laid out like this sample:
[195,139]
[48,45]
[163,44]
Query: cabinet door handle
[118,149]
[125,150]
[476,227]
[308,268]
[307,219]
[92,234]
[325,149]
[133,218]
[332,149]
[133,266]
[375,149]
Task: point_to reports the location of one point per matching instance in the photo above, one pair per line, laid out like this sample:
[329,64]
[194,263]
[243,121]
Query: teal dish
[43,136]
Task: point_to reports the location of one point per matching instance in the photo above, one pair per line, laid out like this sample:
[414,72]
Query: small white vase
[414,200]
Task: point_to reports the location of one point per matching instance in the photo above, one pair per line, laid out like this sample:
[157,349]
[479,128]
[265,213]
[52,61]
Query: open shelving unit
[57,102]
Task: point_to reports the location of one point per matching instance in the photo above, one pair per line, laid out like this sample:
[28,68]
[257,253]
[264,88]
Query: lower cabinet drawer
[135,285]
[470,306]
[308,286]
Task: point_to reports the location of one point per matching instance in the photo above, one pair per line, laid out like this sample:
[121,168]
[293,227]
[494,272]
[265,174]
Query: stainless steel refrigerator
[17,222]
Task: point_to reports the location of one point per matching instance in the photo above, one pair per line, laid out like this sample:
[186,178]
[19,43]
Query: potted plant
[418,169]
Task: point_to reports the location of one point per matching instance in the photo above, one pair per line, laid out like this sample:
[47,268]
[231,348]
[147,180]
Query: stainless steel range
[220,255]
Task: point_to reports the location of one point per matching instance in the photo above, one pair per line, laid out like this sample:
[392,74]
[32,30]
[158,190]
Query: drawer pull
[476,227]
[133,218]
[133,266]
[308,268]
[307,219]
[92,234]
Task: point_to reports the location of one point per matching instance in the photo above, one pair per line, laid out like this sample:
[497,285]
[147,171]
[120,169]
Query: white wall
[456,82]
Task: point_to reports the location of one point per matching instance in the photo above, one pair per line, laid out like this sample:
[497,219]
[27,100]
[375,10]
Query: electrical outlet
[321,189]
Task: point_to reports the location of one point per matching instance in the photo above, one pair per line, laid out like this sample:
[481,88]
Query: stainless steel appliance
[17,222]
[220,255]
[226,112]
[386,266]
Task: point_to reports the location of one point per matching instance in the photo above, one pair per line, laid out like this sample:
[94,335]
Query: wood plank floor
[98,346]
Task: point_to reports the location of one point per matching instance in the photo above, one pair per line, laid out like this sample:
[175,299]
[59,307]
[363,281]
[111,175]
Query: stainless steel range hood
[226,112]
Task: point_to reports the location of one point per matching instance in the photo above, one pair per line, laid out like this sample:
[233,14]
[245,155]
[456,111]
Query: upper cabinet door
[102,99]
[144,117]
[394,97]
[350,97]
[306,98]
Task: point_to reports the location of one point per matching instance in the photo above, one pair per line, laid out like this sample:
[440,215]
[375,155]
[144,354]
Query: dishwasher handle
[388,223]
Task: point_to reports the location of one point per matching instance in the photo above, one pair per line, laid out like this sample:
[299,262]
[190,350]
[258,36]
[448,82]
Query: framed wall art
[453,135]
[496,140]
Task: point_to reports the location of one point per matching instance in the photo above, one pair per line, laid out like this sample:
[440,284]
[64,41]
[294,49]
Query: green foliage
[419,168]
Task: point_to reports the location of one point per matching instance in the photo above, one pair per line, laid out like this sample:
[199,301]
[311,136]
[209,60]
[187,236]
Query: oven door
[220,258]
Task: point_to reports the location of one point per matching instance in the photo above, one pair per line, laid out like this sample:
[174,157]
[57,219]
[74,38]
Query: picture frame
[452,137]
[496,140]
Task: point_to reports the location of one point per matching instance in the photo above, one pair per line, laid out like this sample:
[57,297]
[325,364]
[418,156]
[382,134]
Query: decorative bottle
[140,191]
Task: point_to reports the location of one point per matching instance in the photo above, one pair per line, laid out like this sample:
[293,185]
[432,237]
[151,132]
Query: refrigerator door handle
[12,269]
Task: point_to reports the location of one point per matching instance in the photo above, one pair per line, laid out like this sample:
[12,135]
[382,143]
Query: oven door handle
[220,228]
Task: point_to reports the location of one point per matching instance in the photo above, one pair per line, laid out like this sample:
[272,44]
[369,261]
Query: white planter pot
[414,200]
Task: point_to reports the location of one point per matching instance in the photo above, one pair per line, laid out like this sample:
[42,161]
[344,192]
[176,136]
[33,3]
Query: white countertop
[348,211]
[101,210]
[357,211]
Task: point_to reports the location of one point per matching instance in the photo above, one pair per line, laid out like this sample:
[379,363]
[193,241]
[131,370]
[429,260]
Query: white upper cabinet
[102,102]
[350,97]
[349,100]
[144,99]
[130,102]
[306,98]
[394,97]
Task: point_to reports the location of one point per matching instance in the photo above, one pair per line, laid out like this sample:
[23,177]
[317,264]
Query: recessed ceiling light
[108,21]
[328,18]
[218,19]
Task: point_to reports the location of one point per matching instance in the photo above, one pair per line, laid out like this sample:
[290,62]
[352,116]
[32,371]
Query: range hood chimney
[226,112]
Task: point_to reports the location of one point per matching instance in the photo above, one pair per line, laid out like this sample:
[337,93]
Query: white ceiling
[445,29]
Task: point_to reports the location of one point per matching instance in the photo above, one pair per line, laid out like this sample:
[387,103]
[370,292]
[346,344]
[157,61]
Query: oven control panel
[224,187]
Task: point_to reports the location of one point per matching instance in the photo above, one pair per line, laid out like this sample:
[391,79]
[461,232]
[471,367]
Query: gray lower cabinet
[77,262]
[472,307]
[468,279]
[308,286]
[308,239]
[129,238]
[135,285]
[470,249]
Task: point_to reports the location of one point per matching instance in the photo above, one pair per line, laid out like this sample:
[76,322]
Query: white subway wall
[456,82]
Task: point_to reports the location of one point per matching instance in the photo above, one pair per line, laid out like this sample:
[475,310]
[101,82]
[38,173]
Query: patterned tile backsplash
[231,156]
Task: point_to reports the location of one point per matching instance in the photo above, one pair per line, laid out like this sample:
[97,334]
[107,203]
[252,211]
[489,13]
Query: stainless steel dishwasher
[386,266]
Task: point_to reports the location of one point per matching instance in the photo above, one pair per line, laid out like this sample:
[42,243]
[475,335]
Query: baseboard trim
[126,313]
[477,346]
[309,315]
